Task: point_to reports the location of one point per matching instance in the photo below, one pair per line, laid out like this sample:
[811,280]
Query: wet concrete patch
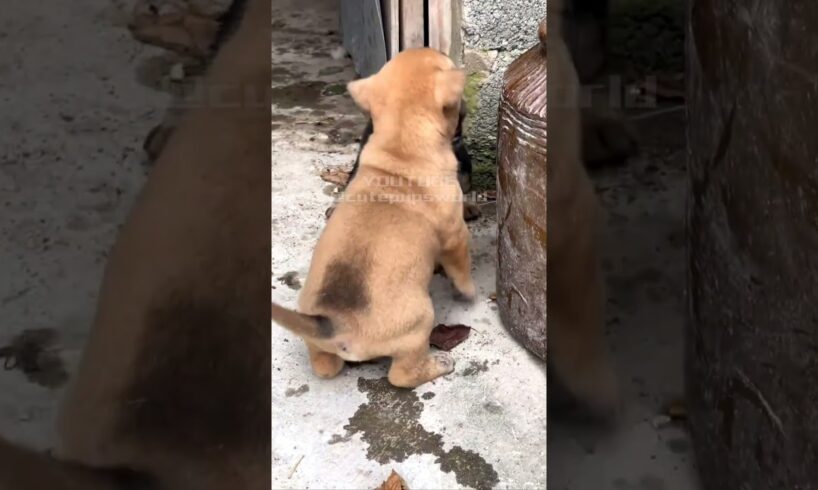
[290,279]
[474,368]
[492,407]
[647,482]
[296,392]
[389,424]
[650,482]
[280,74]
[34,352]
[679,446]
[330,70]
[300,94]
[343,136]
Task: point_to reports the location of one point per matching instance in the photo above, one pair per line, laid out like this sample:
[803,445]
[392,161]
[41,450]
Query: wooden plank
[362,30]
[411,24]
[440,25]
[391,25]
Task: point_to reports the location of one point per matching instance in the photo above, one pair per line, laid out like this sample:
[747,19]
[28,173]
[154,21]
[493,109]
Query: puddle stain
[475,368]
[647,482]
[290,279]
[296,392]
[301,94]
[389,424]
[34,353]
[679,446]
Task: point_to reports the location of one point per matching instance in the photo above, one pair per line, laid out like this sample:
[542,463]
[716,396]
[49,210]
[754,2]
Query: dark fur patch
[344,287]
[201,382]
[325,328]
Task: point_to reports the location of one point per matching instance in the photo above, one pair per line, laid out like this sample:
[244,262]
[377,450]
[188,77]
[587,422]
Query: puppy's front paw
[465,292]
[444,361]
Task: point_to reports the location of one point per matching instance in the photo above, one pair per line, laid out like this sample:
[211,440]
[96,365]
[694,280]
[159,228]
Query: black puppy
[464,166]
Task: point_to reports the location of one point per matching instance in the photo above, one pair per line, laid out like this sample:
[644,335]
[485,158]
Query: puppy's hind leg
[324,364]
[456,262]
[413,364]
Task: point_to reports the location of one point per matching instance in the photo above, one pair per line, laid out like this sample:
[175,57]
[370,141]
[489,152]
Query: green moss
[471,93]
[484,177]
[336,89]
[483,153]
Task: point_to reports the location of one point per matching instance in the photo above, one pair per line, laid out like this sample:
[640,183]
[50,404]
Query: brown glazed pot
[521,203]
[752,337]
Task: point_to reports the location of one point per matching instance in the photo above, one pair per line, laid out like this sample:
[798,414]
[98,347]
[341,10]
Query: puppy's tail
[24,469]
[317,327]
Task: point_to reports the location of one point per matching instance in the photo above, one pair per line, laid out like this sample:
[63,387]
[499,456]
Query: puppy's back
[366,251]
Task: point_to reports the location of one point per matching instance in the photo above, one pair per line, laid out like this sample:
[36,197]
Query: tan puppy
[367,291]
[576,298]
[174,382]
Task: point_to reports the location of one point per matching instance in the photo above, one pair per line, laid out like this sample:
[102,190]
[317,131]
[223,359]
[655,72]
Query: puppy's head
[418,86]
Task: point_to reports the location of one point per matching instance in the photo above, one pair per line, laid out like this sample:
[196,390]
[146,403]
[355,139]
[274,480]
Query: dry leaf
[447,337]
[394,482]
[335,176]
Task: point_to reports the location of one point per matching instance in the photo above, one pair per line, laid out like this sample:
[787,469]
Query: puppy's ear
[449,87]
[361,92]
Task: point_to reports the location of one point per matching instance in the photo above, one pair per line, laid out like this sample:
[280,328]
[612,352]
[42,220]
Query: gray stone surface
[509,25]
[498,32]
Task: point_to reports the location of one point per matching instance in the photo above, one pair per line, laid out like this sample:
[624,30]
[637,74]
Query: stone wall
[492,34]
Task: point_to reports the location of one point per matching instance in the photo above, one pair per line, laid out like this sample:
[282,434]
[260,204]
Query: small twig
[292,471]
[514,287]
[764,403]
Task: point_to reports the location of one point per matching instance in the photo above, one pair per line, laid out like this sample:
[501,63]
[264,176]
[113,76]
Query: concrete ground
[71,163]
[644,262]
[480,427]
